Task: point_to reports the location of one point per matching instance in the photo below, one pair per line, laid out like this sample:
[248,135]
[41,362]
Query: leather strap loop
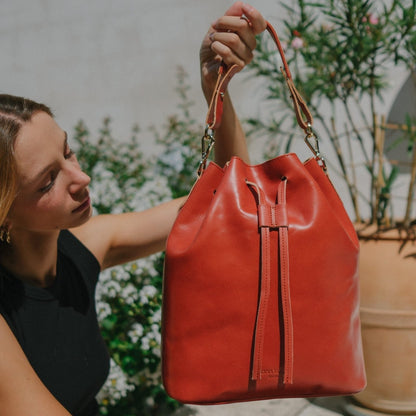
[214,115]
[213,119]
[285,290]
[273,217]
[300,107]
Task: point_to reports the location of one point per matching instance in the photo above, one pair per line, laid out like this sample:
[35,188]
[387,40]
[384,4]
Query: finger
[227,55]
[257,21]
[236,9]
[239,26]
[243,53]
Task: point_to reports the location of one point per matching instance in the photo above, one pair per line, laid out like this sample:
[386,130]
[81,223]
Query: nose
[79,180]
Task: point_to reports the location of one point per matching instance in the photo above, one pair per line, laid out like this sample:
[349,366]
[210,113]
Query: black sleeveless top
[57,327]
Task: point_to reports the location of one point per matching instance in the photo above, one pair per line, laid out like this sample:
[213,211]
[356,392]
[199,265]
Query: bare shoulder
[96,234]
[21,390]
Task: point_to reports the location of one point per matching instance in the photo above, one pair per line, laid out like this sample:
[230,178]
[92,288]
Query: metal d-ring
[314,146]
[207,143]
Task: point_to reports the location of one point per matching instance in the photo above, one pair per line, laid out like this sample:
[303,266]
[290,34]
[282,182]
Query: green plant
[180,141]
[340,53]
[129,296]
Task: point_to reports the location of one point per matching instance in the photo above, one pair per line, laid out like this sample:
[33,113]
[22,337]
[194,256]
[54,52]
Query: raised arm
[230,39]
[115,239]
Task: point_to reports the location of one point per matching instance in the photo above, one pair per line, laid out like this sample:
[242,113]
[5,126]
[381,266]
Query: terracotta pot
[388,317]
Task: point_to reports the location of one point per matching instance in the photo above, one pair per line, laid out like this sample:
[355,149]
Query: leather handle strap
[213,119]
[303,115]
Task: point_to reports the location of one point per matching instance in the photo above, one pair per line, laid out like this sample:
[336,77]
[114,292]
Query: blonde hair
[14,112]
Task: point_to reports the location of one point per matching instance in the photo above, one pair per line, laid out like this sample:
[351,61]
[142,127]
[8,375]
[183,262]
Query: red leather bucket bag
[260,296]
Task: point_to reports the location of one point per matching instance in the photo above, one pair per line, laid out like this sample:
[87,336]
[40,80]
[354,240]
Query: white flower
[152,378]
[150,401]
[152,340]
[147,292]
[174,158]
[129,294]
[122,274]
[157,351]
[116,386]
[156,334]
[104,189]
[105,275]
[154,191]
[113,289]
[146,342]
[157,316]
[147,265]
[103,310]
[135,332]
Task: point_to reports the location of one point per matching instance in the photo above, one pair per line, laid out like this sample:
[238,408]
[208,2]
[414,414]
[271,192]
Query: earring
[5,235]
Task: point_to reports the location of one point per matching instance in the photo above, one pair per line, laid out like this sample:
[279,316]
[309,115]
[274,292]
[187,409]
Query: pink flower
[297,43]
[372,19]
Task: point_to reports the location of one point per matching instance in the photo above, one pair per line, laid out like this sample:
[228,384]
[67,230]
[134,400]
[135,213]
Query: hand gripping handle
[303,115]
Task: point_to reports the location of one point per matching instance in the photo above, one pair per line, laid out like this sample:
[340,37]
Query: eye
[68,152]
[50,184]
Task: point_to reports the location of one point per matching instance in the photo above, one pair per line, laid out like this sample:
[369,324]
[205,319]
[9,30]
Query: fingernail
[211,36]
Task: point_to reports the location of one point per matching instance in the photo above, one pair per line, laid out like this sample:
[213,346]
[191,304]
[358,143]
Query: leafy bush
[129,296]
[341,54]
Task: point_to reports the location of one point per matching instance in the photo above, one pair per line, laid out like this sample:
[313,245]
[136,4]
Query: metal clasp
[207,143]
[311,139]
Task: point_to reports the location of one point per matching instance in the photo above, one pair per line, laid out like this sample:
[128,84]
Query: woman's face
[52,189]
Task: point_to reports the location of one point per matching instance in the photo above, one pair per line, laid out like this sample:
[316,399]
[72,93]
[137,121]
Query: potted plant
[342,54]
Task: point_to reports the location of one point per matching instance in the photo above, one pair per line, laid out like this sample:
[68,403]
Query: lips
[85,204]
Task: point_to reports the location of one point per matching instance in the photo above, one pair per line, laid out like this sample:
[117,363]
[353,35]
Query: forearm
[229,137]
[230,40]
[118,238]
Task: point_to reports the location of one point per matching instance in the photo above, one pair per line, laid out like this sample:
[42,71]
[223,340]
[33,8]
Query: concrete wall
[88,59]
[91,58]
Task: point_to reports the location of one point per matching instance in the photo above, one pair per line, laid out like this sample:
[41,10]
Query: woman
[52,357]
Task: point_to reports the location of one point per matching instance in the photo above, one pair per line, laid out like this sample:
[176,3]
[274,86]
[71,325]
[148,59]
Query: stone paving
[284,407]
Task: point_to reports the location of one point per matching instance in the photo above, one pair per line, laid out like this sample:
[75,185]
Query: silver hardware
[207,143]
[311,139]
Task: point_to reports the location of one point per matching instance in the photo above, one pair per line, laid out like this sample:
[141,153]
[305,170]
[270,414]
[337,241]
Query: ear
[7,224]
